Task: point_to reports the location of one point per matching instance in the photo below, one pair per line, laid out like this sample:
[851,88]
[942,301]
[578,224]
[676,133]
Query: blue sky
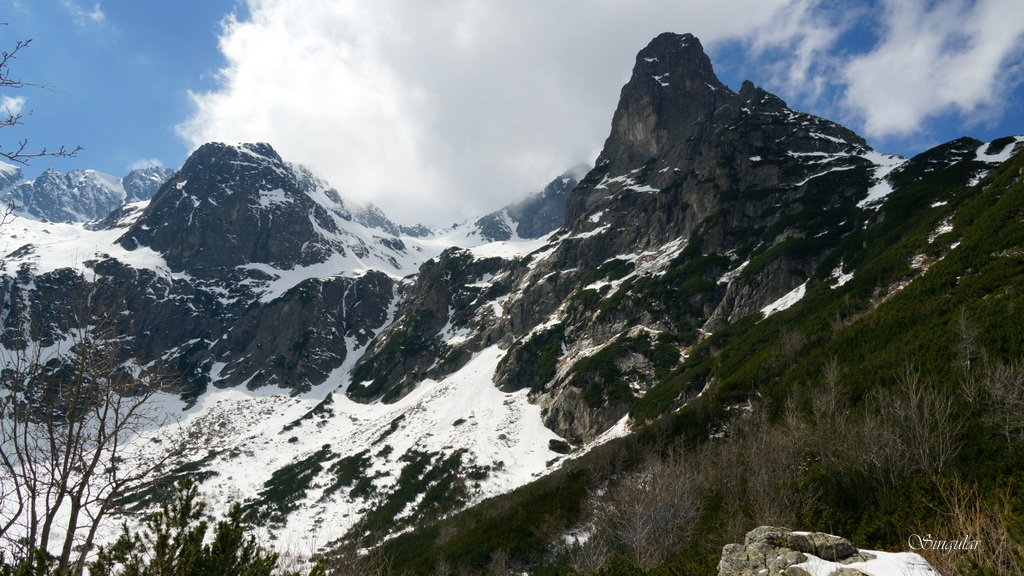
[444,110]
[118,73]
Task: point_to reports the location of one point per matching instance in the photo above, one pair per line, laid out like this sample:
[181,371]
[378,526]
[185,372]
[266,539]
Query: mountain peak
[672,92]
[219,208]
[676,60]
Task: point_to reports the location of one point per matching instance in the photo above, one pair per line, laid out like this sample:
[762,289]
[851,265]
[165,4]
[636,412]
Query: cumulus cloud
[448,109]
[934,58]
[12,105]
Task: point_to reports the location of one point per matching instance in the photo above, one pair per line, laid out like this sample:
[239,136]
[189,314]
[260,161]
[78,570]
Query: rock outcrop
[770,550]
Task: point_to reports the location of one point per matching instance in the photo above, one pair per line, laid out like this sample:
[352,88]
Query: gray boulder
[775,550]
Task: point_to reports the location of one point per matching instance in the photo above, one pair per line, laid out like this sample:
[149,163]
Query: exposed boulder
[770,550]
[773,550]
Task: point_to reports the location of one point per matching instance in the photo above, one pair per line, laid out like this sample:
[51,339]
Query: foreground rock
[770,550]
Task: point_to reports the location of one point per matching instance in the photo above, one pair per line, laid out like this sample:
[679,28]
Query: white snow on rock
[883,564]
[884,165]
[792,297]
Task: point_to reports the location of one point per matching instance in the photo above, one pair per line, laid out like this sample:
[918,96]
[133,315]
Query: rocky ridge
[79,195]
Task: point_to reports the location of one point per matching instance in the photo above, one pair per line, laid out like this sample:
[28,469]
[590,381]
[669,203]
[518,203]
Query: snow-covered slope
[232,312]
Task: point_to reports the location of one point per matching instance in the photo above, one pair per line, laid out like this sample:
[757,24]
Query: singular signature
[918,542]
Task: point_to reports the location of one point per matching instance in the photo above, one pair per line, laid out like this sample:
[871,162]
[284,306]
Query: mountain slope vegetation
[873,408]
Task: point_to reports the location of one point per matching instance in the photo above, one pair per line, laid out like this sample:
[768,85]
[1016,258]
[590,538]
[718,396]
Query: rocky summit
[348,376]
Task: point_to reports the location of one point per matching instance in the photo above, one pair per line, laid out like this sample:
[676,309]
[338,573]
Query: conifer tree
[172,544]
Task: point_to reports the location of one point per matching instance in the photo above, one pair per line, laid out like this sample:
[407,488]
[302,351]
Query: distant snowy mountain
[142,183]
[538,215]
[9,175]
[79,195]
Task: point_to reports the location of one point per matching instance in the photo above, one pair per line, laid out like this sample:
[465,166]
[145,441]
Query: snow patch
[945,227]
[884,165]
[883,564]
[273,197]
[732,274]
[839,277]
[792,297]
[1001,156]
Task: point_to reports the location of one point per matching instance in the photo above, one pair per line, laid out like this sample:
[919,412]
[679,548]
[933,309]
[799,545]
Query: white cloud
[145,163]
[935,58]
[12,105]
[448,109]
[84,16]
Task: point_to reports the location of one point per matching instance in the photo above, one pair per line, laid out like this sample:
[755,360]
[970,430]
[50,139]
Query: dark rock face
[685,138]
[449,291]
[220,208]
[295,341]
[668,106]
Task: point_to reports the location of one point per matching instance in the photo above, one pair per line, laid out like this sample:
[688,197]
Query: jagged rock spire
[668,101]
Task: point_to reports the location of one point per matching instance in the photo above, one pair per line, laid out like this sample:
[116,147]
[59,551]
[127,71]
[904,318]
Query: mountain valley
[728,298]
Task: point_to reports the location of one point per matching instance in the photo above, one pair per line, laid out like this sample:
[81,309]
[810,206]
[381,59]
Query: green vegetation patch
[286,487]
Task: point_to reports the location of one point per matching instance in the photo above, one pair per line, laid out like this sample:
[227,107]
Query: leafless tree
[69,424]
[927,422]
[649,512]
[912,428]
[1003,383]
[19,152]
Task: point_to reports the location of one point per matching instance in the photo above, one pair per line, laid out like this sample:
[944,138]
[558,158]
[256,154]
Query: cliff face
[235,205]
[705,206]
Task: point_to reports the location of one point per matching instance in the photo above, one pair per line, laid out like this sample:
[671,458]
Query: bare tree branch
[19,152]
